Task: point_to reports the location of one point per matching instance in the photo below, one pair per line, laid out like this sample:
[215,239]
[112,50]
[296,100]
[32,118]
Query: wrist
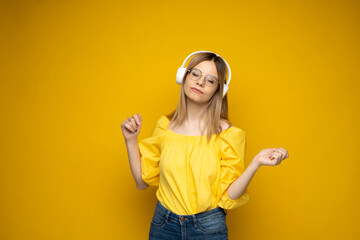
[131,140]
[255,163]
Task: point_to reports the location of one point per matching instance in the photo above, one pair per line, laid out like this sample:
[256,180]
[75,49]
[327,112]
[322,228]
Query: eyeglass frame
[203,74]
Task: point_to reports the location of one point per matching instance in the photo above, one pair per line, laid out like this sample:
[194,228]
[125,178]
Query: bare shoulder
[224,124]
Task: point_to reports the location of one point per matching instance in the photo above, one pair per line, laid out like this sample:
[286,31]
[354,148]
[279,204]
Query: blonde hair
[217,107]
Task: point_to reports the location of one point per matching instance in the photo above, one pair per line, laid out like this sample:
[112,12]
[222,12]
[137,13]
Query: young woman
[195,156]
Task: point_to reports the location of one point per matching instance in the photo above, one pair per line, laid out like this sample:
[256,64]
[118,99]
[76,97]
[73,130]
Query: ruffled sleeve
[150,150]
[232,152]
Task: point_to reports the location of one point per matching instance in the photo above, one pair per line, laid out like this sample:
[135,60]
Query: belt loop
[167,216]
[195,221]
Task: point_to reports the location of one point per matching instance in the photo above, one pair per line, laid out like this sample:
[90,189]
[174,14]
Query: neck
[196,113]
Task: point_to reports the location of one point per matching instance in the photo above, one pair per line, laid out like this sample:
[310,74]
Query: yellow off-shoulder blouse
[191,176]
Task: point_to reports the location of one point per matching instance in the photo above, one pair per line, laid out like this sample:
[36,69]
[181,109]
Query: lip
[197,90]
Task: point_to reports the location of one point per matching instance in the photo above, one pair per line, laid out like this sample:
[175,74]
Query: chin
[198,99]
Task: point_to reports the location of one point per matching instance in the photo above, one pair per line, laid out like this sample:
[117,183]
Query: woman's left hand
[271,156]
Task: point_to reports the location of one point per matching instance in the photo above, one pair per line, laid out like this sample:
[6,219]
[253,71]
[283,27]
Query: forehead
[207,67]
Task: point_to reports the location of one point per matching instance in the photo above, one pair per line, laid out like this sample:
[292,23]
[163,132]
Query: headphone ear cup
[226,88]
[180,75]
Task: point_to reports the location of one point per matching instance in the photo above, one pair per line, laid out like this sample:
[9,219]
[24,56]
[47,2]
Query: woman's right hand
[131,127]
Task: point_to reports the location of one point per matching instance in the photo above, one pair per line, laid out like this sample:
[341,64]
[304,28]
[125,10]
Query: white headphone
[182,70]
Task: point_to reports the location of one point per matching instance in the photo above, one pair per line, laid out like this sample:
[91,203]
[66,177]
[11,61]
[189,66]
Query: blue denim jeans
[167,225]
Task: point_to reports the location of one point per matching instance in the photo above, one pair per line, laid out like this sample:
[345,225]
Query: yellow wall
[72,71]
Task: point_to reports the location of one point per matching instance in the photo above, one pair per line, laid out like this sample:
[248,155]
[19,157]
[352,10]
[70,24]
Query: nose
[201,80]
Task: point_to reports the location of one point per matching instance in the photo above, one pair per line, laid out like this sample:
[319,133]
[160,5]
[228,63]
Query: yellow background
[72,71]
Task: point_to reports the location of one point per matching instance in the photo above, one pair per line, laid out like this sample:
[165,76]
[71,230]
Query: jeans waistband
[171,215]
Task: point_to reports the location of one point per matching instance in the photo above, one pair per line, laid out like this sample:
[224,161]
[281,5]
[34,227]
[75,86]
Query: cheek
[186,85]
[186,82]
[186,88]
[214,91]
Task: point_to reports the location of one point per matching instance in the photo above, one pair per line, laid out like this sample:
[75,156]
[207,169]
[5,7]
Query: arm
[135,163]
[130,129]
[238,187]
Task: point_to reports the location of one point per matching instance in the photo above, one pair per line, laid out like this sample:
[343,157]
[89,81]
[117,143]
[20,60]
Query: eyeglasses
[195,74]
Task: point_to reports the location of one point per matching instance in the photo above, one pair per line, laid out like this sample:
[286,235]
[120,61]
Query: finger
[123,125]
[129,121]
[129,127]
[277,157]
[140,118]
[286,152]
[272,157]
[283,153]
[282,150]
[133,123]
[136,117]
[276,154]
[281,156]
[286,155]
